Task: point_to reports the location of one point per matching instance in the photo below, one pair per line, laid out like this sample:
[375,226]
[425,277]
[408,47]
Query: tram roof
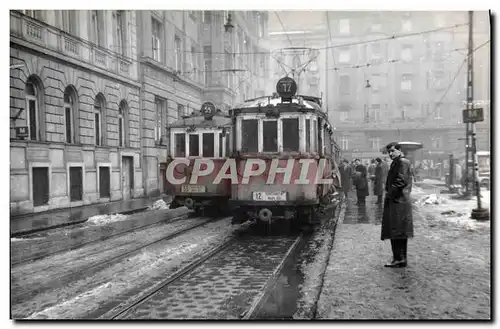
[200,121]
[308,102]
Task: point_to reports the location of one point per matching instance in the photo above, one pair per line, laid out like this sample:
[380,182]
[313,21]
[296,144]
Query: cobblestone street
[448,276]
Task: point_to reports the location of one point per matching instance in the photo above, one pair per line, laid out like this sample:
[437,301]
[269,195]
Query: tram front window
[270,136]
[249,136]
[208,145]
[291,135]
[180,145]
[194,145]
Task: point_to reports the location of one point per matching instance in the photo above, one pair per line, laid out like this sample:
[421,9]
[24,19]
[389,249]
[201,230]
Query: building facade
[74,109]
[411,88]
[92,94]
[187,58]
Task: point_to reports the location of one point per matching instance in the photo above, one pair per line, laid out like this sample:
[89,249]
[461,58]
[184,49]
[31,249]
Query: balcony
[52,39]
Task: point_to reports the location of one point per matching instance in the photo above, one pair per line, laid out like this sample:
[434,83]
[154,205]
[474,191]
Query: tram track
[41,254]
[255,290]
[23,294]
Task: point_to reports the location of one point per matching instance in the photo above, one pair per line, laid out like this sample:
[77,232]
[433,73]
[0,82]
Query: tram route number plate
[269,196]
[192,188]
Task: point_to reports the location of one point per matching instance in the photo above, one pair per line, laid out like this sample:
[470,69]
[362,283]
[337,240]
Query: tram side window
[194,145]
[291,135]
[249,133]
[221,141]
[308,135]
[208,145]
[270,136]
[314,139]
[228,144]
[180,145]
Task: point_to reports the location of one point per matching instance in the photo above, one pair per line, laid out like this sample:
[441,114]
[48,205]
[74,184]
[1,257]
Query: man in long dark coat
[360,182]
[378,182]
[397,220]
[345,177]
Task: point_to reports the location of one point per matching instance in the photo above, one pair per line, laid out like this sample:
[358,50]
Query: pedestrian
[371,172]
[360,182]
[397,219]
[345,177]
[378,182]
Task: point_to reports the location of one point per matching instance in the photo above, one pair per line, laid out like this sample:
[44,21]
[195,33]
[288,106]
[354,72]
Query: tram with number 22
[204,134]
[293,134]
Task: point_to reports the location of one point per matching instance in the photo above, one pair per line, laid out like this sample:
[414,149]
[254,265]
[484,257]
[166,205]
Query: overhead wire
[439,103]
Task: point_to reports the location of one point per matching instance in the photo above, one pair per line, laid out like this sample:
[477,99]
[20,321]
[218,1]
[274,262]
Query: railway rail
[24,292]
[225,282]
[42,253]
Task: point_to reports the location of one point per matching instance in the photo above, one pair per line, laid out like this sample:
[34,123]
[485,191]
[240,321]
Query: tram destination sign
[473,115]
[286,87]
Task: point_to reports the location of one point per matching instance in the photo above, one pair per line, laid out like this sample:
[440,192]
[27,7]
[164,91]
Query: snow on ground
[143,267]
[444,210]
[105,219]
[160,204]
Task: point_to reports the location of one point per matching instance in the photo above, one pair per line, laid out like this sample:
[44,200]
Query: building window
[436,142]
[207,17]
[437,112]
[344,143]
[180,111]
[207,64]
[375,113]
[178,54]
[260,25]
[120,31]
[376,51]
[405,109]
[97,26]
[160,124]
[344,27]
[156,31]
[406,53]
[69,21]
[98,121]
[375,143]
[378,82]
[406,83]
[344,56]
[123,124]
[69,109]
[31,92]
[407,25]
[344,116]
[344,85]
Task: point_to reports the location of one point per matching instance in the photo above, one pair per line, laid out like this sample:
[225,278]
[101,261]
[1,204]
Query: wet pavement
[33,222]
[448,275]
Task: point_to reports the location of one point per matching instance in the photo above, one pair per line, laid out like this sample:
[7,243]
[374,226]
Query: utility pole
[471,151]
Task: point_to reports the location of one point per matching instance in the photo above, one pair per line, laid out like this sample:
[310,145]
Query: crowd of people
[364,178]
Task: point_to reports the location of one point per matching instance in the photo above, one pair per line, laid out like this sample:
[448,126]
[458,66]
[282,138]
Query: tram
[285,157]
[199,145]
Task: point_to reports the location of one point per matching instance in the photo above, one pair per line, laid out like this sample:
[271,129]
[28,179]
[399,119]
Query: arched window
[32,110]
[99,107]
[123,140]
[70,115]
